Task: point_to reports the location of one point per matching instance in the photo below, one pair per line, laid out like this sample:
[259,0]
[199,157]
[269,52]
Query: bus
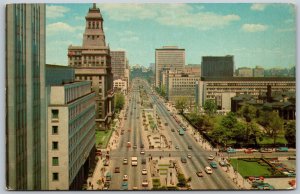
[181,131]
[134,161]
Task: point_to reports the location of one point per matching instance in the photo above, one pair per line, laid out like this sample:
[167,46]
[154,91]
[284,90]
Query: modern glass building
[25,95]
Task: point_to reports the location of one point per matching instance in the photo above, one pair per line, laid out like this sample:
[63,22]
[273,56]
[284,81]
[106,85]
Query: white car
[125,177]
[142,152]
[125,161]
[189,156]
[208,170]
[145,183]
[144,172]
[211,157]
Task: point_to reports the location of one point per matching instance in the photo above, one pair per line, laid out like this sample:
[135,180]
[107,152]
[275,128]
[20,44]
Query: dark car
[142,146]
[183,159]
[190,147]
[117,170]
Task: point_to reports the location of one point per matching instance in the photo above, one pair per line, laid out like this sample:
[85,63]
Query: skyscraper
[92,61]
[217,66]
[118,64]
[168,57]
[25,97]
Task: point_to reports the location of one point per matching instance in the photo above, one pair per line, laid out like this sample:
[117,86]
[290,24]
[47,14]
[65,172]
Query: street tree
[275,126]
[210,107]
[119,101]
[181,104]
[290,132]
[248,112]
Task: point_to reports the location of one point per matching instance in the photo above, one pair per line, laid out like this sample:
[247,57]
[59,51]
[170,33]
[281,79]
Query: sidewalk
[98,174]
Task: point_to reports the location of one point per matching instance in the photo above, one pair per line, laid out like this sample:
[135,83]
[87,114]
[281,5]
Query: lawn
[268,140]
[102,138]
[253,168]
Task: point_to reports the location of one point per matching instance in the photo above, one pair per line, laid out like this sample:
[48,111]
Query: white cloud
[168,14]
[254,27]
[59,27]
[127,36]
[258,6]
[53,11]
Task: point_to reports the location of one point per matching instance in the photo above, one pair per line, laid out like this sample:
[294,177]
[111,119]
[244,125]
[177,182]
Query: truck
[181,132]
[134,161]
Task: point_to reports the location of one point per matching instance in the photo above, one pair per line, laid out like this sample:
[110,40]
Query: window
[55,176]
[55,161]
[54,130]
[54,145]
[54,114]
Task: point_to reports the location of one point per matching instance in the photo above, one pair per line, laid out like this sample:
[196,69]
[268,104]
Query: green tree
[248,112]
[210,107]
[290,132]
[275,126]
[119,101]
[181,104]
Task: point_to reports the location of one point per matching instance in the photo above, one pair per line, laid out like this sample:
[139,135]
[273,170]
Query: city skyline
[256,34]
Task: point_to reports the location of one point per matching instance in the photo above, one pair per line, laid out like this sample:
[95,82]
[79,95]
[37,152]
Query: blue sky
[256,34]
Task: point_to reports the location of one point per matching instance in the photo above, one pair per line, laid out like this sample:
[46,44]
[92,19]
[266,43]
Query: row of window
[79,108]
[75,92]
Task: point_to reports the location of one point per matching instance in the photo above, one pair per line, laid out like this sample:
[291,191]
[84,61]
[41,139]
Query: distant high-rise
[25,97]
[168,57]
[118,64]
[244,72]
[217,66]
[92,61]
[258,72]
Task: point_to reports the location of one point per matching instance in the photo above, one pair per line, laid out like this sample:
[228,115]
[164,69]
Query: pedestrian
[92,186]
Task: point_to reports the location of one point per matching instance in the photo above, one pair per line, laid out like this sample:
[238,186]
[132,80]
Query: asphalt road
[133,133]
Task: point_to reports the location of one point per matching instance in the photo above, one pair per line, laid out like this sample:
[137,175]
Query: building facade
[168,57]
[25,97]
[71,135]
[121,85]
[258,72]
[118,64]
[244,72]
[214,87]
[181,84]
[217,66]
[92,61]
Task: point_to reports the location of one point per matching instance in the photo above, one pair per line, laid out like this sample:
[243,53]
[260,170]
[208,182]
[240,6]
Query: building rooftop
[248,79]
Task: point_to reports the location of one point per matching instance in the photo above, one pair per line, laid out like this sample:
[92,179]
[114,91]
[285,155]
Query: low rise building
[213,87]
[121,85]
[244,72]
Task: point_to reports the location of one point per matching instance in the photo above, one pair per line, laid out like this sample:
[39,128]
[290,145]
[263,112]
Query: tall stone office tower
[25,97]
[92,61]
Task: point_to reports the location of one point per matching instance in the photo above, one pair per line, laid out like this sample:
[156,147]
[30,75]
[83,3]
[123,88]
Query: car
[265,150]
[282,149]
[199,173]
[144,172]
[117,169]
[176,147]
[213,164]
[125,177]
[208,170]
[189,156]
[145,183]
[173,130]
[142,152]
[142,146]
[249,151]
[190,147]
[134,146]
[125,161]
[183,160]
[211,157]
[135,188]
[106,162]
[143,160]
[124,186]
[223,163]
[231,150]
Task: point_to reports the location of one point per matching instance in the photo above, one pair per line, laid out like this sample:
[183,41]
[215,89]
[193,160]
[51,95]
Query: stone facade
[92,61]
